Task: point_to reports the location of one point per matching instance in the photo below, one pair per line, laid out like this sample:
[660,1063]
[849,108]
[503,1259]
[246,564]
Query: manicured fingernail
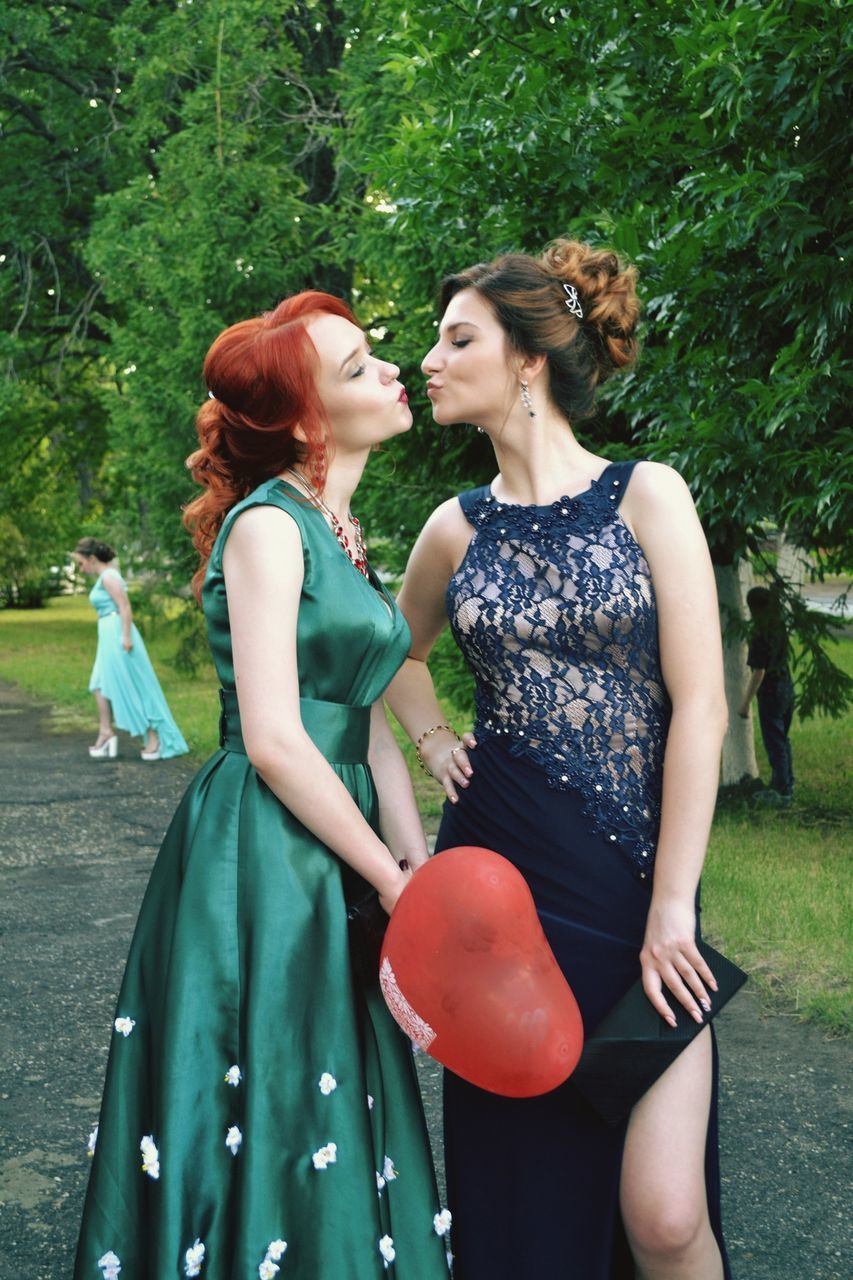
[468,773]
[671,1021]
[697,1017]
[706,1005]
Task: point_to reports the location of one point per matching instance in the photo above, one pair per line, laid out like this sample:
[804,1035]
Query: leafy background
[171,168]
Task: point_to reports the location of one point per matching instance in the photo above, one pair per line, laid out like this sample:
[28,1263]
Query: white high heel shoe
[107,750]
[150,755]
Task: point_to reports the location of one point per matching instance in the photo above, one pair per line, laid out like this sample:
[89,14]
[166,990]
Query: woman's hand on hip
[449,762]
[670,959]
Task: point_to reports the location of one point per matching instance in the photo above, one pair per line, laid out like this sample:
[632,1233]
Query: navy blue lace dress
[554,611]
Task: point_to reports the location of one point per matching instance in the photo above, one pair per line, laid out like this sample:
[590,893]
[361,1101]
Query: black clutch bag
[366,923]
[632,1045]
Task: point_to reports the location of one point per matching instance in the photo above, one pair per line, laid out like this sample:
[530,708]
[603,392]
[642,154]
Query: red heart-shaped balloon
[468,974]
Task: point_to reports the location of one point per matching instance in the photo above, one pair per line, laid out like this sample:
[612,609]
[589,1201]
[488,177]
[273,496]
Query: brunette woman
[261,1112]
[581,593]
[125,685]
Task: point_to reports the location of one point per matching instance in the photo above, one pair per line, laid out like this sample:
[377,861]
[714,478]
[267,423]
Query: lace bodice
[554,611]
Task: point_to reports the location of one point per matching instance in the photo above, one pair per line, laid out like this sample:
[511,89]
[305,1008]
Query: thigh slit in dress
[554,611]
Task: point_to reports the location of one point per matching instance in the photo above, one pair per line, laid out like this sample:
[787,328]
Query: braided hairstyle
[261,375]
[529,299]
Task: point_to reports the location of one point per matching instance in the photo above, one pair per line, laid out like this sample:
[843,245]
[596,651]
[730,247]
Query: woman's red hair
[262,378]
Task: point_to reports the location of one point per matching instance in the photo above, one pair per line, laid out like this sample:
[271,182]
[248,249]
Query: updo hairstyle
[94,547]
[529,300]
[261,375]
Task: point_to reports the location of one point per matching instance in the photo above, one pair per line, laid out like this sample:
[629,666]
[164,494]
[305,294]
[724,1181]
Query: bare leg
[663,1194]
[152,740]
[105,718]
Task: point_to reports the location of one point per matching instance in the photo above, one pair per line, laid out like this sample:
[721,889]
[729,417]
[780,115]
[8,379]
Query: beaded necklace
[357,555]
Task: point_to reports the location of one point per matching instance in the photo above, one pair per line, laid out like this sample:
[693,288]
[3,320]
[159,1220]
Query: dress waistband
[341,732]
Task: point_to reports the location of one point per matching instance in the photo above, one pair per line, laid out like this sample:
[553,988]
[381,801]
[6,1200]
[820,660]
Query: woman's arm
[435,556]
[263,569]
[659,508]
[112,585]
[399,821]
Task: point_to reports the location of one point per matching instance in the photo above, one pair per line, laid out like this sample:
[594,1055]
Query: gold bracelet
[437,728]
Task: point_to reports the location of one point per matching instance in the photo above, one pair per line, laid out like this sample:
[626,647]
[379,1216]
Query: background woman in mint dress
[123,681]
[582,596]
[261,1111]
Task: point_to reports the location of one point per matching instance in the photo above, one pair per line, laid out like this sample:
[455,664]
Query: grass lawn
[49,652]
[777,885]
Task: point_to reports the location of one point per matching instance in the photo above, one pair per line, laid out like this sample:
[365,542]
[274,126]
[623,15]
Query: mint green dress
[128,680]
[261,1114]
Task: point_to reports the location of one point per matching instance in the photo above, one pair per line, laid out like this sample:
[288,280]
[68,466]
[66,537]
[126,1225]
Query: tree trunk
[792,563]
[733,582]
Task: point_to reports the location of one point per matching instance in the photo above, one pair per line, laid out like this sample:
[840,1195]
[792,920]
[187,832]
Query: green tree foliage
[226,208]
[60,107]
[705,141]
[170,172]
[170,168]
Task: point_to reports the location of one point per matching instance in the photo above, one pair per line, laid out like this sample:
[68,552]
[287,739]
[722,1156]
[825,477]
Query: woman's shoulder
[452,517]
[470,500]
[261,512]
[272,493]
[656,487]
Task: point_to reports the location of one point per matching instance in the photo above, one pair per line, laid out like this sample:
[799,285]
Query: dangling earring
[527,400]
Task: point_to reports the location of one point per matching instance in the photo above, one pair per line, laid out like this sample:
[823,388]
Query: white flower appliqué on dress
[110,1266]
[275,1252]
[194,1257]
[327,1084]
[233,1139]
[442,1222]
[233,1076]
[415,1027]
[150,1157]
[388,1170]
[93,1141]
[325,1156]
[124,1026]
[386,1248]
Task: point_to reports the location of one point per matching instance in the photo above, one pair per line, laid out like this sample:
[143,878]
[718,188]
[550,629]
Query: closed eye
[360,369]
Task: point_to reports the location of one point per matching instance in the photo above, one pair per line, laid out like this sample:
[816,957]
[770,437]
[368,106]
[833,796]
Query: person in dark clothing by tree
[771,682]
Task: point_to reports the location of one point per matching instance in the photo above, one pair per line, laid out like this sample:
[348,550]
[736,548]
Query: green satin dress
[261,1114]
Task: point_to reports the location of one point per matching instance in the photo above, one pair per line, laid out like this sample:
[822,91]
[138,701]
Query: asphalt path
[77,840]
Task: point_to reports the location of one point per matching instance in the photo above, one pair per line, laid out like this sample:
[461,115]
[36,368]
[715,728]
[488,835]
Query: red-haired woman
[261,1111]
[582,595]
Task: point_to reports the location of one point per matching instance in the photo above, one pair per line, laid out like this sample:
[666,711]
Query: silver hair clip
[573,302]
[212,396]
